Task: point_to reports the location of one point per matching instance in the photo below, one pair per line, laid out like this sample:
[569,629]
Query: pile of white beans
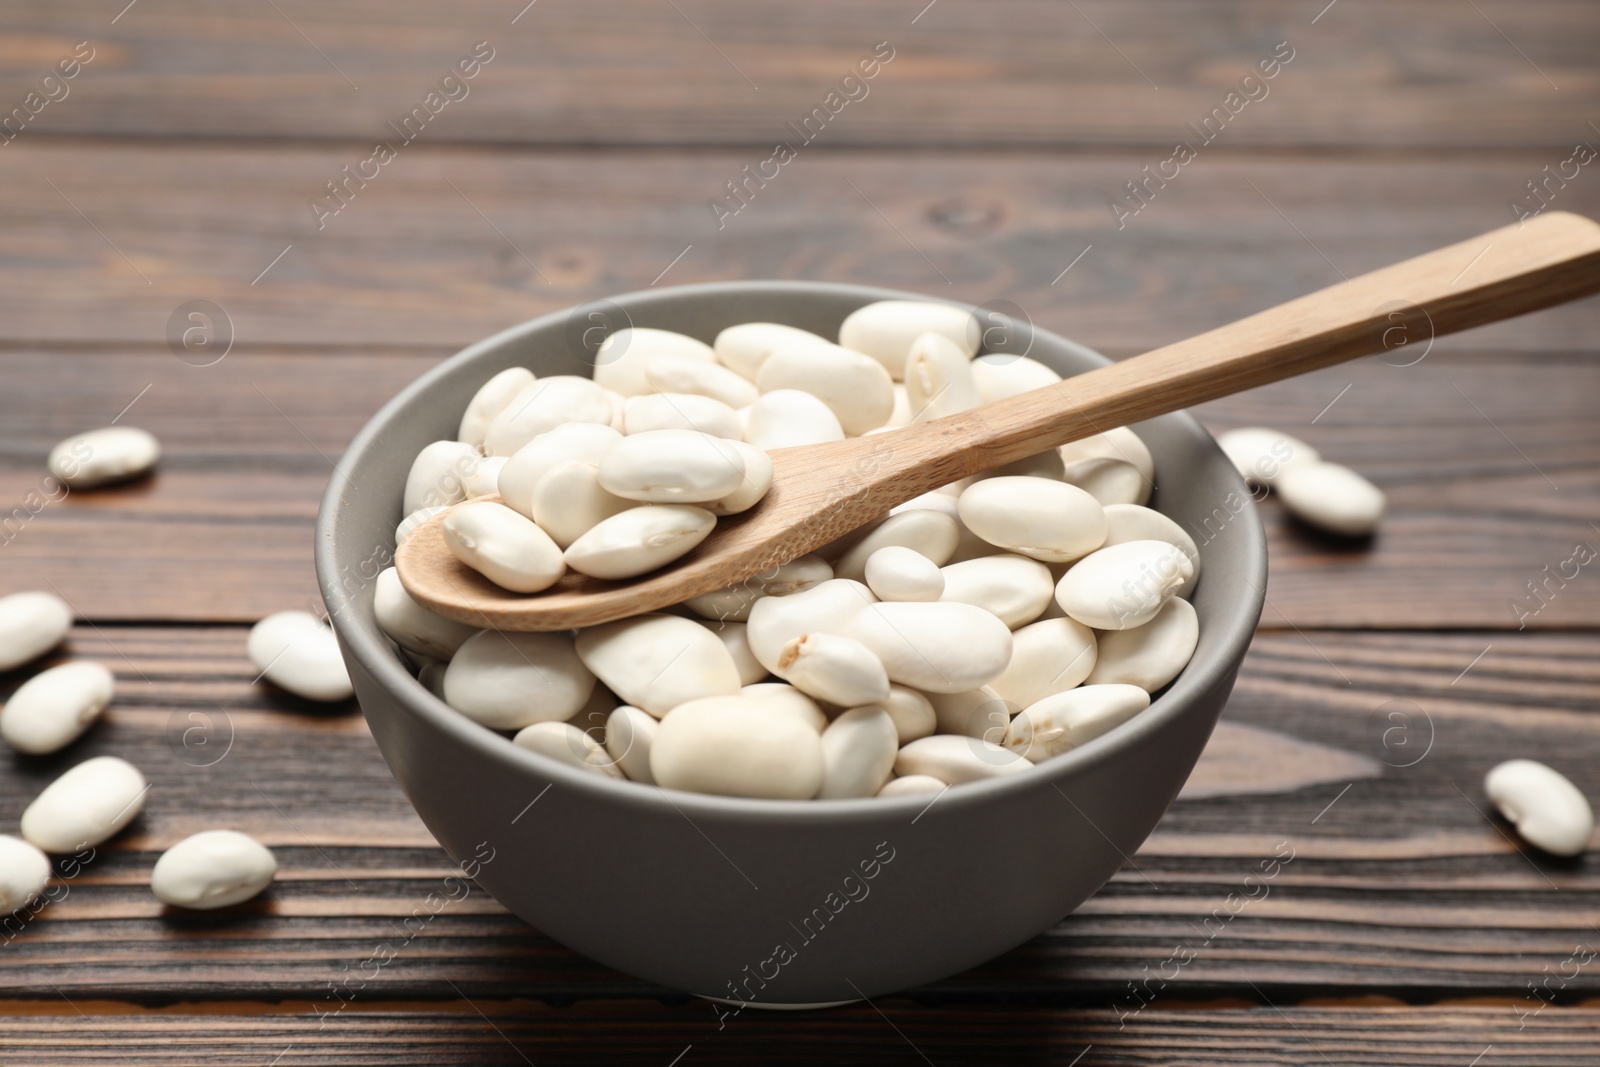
[94,799]
[967,634]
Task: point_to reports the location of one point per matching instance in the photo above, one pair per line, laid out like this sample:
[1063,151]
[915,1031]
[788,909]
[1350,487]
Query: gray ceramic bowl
[779,903]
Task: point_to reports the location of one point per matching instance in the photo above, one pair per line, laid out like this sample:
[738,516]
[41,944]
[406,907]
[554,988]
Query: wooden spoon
[821,492]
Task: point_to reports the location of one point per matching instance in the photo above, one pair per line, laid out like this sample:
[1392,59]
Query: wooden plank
[1485,517]
[1409,74]
[890,1031]
[223,531]
[410,261]
[1396,884]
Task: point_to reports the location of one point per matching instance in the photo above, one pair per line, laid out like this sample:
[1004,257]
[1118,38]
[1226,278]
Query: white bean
[901,414]
[484,477]
[585,442]
[834,669]
[825,608]
[1131,522]
[656,662]
[1110,481]
[1331,497]
[1014,588]
[541,407]
[885,330]
[858,753]
[968,544]
[412,626]
[1151,655]
[911,711]
[720,747]
[1045,464]
[1261,455]
[618,401]
[933,501]
[937,648]
[939,379]
[735,601]
[1065,720]
[855,387]
[931,534]
[953,759]
[85,806]
[1047,657]
[490,400]
[672,467]
[1120,443]
[510,680]
[431,675]
[895,572]
[781,698]
[569,501]
[53,708]
[31,624]
[293,650]
[99,457]
[734,639]
[1547,809]
[1000,376]
[629,733]
[745,347]
[438,475]
[912,783]
[409,524]
[565,743]
[1049,521]
[638,540]
[788,417]
[24,872]
[673,375]
[1123,586]
[622,361]
[507,548]
[212,869]
[757,480]
[591,718]
[680,411]
[980,713]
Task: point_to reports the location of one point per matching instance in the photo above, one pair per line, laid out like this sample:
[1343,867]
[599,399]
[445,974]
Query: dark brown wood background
[179,167]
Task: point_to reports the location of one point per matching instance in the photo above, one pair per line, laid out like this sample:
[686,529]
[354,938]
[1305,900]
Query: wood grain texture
[1461,442]
[983,163]
[409,260]
[889,1031]
[1398,885]
[1409,74]
[223,529]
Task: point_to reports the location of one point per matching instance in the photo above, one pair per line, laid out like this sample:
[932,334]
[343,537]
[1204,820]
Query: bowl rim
[377,656]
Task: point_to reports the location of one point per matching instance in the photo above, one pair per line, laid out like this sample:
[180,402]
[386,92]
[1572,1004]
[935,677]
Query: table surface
[181,163]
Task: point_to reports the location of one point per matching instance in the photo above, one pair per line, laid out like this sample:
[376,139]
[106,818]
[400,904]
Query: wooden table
[181,165]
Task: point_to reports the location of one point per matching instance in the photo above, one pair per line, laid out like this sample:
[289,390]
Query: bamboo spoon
[821,492]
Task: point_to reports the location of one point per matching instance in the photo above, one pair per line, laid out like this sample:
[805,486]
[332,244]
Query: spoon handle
[1502,274]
